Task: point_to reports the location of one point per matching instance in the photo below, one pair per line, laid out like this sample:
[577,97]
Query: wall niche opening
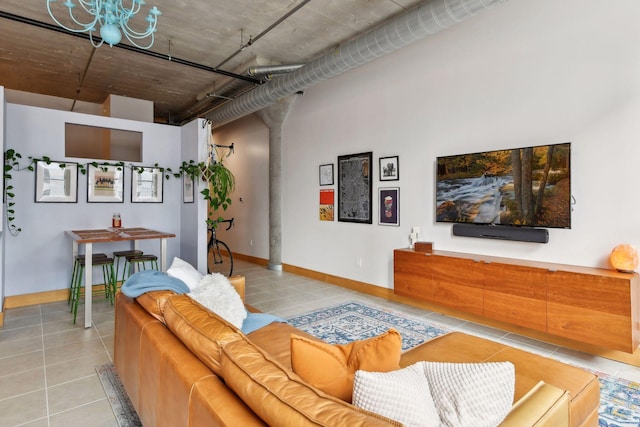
[94,142]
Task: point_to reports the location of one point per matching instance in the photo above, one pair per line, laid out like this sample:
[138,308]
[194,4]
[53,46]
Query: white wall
[194,215]
[528,72]
[39,258]
[250,167]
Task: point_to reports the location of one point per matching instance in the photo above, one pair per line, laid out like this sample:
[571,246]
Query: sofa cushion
[471,394]
[216,293]
[403,395]
[199,329]
[184,271]
[428,393]
[331,368]
[154,302]
[280,397]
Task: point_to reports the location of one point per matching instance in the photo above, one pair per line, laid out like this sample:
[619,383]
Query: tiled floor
[47,364]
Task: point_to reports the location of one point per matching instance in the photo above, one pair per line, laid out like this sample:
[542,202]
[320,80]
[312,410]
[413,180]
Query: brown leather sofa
[171,356]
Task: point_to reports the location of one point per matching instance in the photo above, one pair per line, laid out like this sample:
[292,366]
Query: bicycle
[219,256]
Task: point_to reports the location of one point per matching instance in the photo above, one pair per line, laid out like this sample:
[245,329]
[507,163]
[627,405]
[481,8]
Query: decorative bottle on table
[116,221]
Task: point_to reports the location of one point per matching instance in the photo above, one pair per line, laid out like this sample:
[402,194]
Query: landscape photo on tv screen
[522,187]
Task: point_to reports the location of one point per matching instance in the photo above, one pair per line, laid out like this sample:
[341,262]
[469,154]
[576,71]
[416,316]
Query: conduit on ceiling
[411,26]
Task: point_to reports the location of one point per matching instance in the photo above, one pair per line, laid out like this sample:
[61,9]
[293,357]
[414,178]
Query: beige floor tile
[23,311]
[65,353]
[75,369]
[69,337]
[28,345]
[22,322]
[21,383]
[42,422]
[21,362]
[61,325]
[96,414]
[8,335]
[70,395]
[23,408]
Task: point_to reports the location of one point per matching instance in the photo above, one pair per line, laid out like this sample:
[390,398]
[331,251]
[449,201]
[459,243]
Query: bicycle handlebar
[230,221]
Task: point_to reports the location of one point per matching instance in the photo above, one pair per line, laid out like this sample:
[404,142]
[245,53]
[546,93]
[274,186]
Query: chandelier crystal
[112,17]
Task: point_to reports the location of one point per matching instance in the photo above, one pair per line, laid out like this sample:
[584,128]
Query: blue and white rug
[341,324]
[353,321]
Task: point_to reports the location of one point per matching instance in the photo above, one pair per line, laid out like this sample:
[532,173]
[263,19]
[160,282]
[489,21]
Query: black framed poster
[354,188]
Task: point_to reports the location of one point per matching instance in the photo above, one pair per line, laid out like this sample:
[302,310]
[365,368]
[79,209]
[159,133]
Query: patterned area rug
[120,403]
[619,398]
[353,321]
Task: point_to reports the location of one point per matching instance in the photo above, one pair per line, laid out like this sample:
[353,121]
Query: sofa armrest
[543,406]
[238,283]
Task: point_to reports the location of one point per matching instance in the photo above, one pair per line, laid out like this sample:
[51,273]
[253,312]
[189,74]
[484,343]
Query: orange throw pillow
[331,368]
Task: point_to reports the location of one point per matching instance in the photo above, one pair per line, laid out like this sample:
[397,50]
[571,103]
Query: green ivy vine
[221,181]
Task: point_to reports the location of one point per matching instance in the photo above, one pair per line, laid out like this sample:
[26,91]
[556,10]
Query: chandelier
[113,19]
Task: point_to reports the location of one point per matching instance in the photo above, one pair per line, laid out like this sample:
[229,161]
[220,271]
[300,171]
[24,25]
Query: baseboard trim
[253,260]
[45,297]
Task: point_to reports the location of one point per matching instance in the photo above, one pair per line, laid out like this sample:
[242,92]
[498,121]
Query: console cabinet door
[516,294]
[457,283]
[595,309]
[412,274]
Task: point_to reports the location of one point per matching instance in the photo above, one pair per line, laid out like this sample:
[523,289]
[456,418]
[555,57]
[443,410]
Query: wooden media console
[594,306]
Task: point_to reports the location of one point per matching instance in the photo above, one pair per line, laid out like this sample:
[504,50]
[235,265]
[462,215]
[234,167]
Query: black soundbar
[520,234]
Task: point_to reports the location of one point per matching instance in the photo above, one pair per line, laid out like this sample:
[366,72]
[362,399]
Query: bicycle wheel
[220,259]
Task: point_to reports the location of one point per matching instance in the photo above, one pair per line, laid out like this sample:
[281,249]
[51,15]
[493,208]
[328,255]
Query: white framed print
[105,183]
[56,182]
[389,168]
[146,184]
[187,189]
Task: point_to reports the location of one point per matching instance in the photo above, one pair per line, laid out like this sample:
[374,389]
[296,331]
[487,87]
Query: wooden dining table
[110,235]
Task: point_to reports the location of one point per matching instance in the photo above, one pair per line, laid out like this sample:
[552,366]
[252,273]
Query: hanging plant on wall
[220,181]
[11,164]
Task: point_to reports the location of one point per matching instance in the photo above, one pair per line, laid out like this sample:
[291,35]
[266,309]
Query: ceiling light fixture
[113,19]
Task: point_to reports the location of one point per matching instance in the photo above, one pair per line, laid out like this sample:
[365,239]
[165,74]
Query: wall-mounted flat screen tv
[528,187]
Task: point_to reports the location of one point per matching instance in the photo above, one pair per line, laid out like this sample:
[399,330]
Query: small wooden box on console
[588,305]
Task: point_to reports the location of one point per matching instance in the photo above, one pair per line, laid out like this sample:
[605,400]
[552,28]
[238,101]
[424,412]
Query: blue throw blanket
[255,321]
[152,280]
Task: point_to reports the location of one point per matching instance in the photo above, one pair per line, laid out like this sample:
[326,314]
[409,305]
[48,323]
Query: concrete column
[274,117]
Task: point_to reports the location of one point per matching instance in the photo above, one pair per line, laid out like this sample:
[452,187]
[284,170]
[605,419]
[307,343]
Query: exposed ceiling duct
[268,71]
[411,26]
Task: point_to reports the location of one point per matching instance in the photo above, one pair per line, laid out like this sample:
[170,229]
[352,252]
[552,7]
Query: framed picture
[105,184]
[56,182]
[146,184]
[389,206]
[389,168]
[354,188]
[326,174]
[187,189]
[326,205]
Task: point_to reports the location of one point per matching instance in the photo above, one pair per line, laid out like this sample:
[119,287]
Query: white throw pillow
[184,271]
[401,395]
[218,294]
[471,394]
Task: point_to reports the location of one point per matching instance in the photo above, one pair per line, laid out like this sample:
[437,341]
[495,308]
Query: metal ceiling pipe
[270,70]
[411,26]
